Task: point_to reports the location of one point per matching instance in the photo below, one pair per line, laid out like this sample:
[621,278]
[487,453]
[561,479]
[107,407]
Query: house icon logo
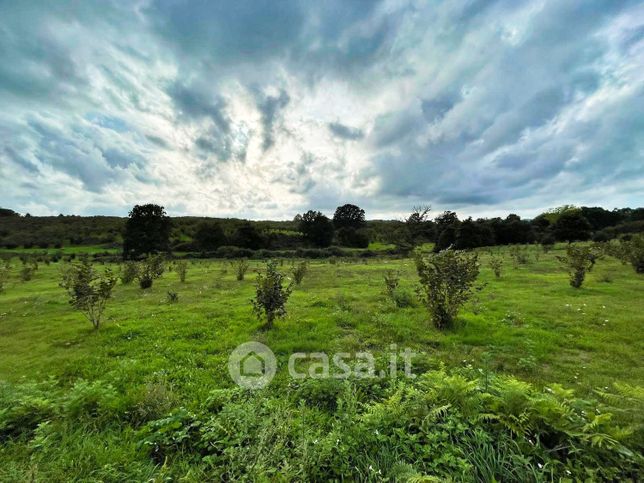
[252,365]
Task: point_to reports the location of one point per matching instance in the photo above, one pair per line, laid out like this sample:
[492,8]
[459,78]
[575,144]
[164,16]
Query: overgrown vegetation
[149,398]
[446,282]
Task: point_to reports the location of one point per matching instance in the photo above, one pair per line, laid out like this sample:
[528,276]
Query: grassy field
[529,323]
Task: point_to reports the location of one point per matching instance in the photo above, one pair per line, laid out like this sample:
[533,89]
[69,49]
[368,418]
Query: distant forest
[348,228]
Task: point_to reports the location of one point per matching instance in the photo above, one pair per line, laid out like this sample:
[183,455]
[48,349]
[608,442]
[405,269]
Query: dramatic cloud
[264,108]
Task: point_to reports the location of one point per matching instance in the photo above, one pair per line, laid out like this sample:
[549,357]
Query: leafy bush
[496,264]
[446,281]
[4,276]
[91,399]
[28,270]
[182,269]
[579,259]
[129,272]
[271,296]
[299,271]
[23,407]
[632,251]
[149,270]
[88,291]
[241,267]
[519,254]
[392,280]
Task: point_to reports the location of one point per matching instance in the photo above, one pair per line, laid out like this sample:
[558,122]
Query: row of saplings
[446,279]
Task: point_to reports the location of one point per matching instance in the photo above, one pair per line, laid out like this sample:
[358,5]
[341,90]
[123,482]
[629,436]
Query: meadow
[148,395]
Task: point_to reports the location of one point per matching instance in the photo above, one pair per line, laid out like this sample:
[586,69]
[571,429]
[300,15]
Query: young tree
[317,228]
[632,251]
[149,270]
[209,236]
[579,259]
[299,271]
[88,291]
[446,281]
[271,295]
[241,267]
[182,270]
[496,264]
[147,230]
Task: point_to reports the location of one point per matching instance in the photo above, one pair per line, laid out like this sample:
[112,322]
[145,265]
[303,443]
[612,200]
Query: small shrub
[579,259]
[241,267]
[446,282]
[271,296]
[182,270]
[94,399]
[519,255]
[173,297]
[149,270]
[299,271]
[28,270]
[152,402]
[4,277]
[632,251]
[496,264]
[129,272]
[88,291]
[392,280]
[547,243]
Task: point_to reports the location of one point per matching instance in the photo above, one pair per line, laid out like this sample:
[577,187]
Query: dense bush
[446,282]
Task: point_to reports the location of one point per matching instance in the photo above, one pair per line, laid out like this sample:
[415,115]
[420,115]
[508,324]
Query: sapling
[299,271]
[182,269]
[270,294]
[446,282]
[241,267]
[496,263]
[579,260]
[88,290]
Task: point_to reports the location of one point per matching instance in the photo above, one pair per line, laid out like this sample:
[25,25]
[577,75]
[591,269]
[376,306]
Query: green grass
[529,323]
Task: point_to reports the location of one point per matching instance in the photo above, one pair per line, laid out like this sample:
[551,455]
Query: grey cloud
[270,108]
[345,132]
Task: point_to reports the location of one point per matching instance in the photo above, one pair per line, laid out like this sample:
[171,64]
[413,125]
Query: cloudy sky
[263,109]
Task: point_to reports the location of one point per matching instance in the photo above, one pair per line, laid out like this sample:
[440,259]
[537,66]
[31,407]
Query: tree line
[149,229]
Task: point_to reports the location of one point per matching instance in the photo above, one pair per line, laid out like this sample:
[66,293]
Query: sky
[266,108]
